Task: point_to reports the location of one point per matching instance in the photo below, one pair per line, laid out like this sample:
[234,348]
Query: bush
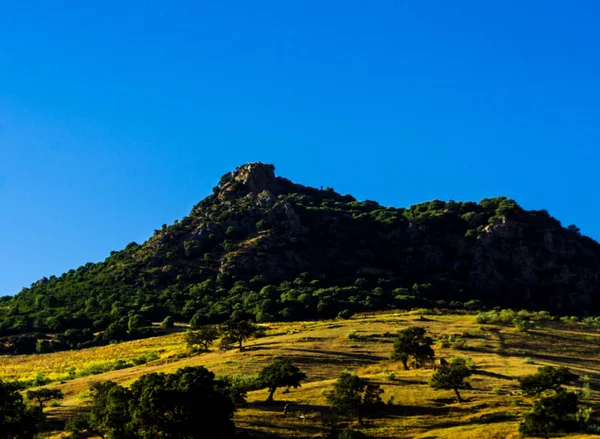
[355,396]
[168,322]
[551,414]
[345,314]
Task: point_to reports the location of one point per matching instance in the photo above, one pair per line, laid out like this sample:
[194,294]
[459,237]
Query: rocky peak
[251,178]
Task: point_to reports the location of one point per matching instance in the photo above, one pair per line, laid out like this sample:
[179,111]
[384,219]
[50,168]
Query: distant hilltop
[266,248]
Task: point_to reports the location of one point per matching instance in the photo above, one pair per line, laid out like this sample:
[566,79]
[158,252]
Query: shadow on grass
[401,410]
[357,356]
[487,373]
[56,419]
[491,418]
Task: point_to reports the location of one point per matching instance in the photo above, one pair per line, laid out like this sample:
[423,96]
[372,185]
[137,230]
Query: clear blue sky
[117,117]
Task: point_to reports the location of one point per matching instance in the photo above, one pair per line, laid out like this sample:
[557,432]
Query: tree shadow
[364,357]
[401,410]
[489,374]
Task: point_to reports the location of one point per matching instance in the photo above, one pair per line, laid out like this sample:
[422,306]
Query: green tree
[43,347]
[137,321]
[158,405]
[238,331]
[203,337]
[412,343]
[168,322]
[354,395]
[110,414]
[280,373]
[551,414]
[43,396]
[547,378]
[452,377]
[179,404]
[16,420]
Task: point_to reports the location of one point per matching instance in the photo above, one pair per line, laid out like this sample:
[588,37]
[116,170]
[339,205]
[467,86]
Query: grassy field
[493,407]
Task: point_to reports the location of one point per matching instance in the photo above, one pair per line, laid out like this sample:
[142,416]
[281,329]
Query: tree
[16,420]
[237,331]
[137,321]
[280,373]
[168,322]
[110,415]
[43,396]
[412,342]
[551,414]
[354,395]
[178,406]
[547,378]
[202,337]
[452,377]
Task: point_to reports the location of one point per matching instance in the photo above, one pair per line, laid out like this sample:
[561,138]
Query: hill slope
[265,247]
[493,407]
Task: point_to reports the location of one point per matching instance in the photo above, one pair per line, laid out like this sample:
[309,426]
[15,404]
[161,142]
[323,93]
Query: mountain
[264,247]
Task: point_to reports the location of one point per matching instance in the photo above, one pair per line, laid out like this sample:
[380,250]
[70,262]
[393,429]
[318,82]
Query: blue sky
[117,117]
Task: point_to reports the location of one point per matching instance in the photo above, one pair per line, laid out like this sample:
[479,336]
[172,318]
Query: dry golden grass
[323,349]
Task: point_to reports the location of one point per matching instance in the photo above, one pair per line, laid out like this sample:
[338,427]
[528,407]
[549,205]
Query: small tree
[547,378]
[168,322]
[202,337]
[280,373]
[452,377]
[354,395]
[238,331]
[137,321]
[412,343]
[551,414]
[43,396]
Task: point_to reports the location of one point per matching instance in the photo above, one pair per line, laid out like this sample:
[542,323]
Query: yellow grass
[323,349]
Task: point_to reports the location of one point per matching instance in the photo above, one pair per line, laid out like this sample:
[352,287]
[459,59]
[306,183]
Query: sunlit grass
[493,407]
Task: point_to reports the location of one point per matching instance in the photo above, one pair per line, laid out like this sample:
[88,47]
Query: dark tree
[280,373]
[110,415]
[238,331]
[412,343]
[203,337]
[183,404]
[180,405]
[137,321]
[354,395]
[16,421]
[551,414]
[168,322]
[547,378]
[452,377]
[43,396]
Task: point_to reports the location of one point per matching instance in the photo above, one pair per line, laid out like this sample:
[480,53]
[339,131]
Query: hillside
[265,248]
[323,349]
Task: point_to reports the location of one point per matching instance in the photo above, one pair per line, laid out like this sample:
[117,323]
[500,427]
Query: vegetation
[203,337]
[268,249]
[322,350]
[42,396]
[280,373]
[547,378]
[355,396]
[16,420]
[159,405]
[552,413]
[452,377]
[238,331]
[413,343]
